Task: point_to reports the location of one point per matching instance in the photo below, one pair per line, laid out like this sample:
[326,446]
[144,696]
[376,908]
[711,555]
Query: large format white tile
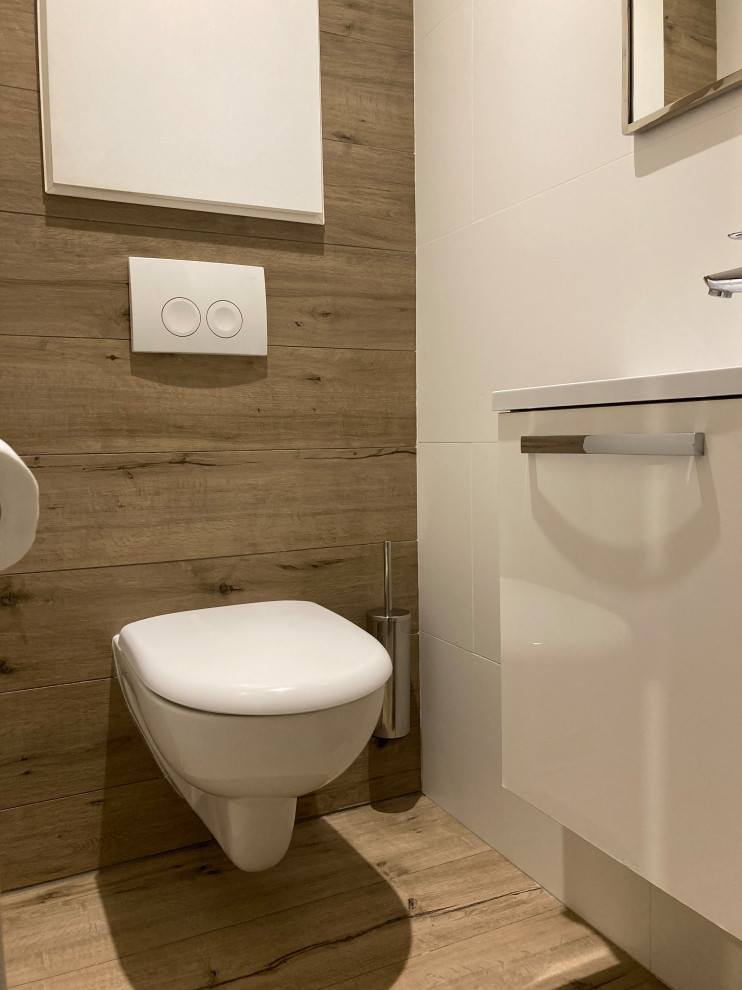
[688,952]
[459,705]
[484,532]
[457,345]
[429,13]
[444,541]
[597,278]
[443,126]
[608,895]
[547,92]
[460,715]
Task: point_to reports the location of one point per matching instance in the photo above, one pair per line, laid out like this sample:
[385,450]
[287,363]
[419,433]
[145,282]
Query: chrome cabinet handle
[665,444]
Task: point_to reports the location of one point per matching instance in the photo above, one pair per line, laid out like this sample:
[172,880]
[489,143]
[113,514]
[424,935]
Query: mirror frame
[696,99]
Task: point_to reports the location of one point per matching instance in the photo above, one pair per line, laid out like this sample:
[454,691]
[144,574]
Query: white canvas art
[203,104]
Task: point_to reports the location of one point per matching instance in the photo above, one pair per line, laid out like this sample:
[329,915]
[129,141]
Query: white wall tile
[607,895]
[688,952]
[429,13]
[443,126]
[457,343]
[485,548]
[598,278]
[444,541]
[460,705]
[547,103]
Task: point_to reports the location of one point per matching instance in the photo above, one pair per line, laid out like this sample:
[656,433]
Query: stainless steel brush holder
[391,626]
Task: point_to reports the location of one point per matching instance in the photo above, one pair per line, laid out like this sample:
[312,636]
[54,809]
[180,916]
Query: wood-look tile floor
[398,895]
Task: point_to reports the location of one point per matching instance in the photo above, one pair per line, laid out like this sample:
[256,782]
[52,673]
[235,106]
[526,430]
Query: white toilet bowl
[246,707]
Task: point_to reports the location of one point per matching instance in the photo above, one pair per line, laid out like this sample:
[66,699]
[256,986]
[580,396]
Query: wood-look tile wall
[174,482]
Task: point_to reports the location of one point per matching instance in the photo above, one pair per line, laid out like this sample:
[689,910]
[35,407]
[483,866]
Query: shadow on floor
[190,919]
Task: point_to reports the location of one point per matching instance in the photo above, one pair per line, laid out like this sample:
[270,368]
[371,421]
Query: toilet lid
[266,658]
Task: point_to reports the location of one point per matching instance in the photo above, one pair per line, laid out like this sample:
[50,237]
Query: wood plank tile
[297,397]
[99,509]
[47,839]
[313,945]
[58,741]
[80,309]
[552,950]
[347,851]
[367,94]
[369,192]
[57,625]
[396,896]
[383,22]
[367,89]
[17,44]
[39,842]
[318,296]
[71,739]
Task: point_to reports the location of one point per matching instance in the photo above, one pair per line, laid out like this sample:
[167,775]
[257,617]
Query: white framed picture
[200,104]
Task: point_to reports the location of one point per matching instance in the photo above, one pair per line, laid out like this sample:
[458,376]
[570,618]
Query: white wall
[551,248]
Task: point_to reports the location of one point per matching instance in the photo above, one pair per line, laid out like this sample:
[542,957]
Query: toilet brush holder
[391,626]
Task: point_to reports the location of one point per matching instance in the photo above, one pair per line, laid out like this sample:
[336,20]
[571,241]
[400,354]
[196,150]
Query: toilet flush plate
[197,307]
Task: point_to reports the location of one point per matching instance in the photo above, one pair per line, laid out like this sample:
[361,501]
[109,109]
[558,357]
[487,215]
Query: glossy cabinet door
[621,587]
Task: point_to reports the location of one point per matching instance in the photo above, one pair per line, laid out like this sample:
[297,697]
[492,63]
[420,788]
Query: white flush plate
[197,307]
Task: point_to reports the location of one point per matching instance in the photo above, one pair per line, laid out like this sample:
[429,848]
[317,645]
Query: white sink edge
[708,384]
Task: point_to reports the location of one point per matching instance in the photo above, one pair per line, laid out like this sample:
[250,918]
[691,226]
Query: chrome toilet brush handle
[391,626]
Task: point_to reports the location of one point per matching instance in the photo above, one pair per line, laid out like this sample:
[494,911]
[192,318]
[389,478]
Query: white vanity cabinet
[621,587]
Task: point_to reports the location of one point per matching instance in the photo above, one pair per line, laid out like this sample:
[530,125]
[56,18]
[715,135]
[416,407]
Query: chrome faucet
[725,284]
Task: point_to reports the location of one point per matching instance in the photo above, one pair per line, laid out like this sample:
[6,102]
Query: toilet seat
[264,658]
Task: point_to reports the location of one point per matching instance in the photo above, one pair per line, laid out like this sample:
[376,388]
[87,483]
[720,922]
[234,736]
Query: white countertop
[713,383]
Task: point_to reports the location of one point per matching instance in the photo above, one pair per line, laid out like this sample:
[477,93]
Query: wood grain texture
[369,192]
[45,840]
[109,509]
[382,22]
[367,94]
[57,741]
[70,739]
[44,938]
[42,841]
[690,46]
[17,44]
[362,900]
[296,398]
[57,625]
[317,296]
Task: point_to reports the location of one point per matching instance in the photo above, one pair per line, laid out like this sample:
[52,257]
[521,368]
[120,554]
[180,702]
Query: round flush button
[181,316]
[224,318]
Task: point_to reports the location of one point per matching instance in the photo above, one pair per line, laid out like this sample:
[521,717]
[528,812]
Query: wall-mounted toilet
[246,707]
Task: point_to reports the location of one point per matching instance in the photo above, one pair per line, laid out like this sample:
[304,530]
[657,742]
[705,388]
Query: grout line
[60,684]
[103,789]
[443,20]
[186,560]
[23,89]
[127,340]
[365,41]
[202,233]
[422,632]
[388,448]
[528,199]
